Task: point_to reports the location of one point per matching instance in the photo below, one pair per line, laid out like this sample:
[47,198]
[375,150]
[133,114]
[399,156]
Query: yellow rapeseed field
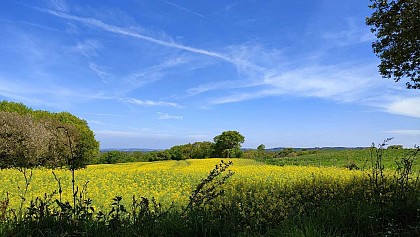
[168,181]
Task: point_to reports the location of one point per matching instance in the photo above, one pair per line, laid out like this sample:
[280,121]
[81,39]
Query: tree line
[226,145]
[198,150]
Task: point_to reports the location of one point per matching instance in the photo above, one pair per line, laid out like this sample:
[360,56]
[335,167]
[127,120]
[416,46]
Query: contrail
[184,9]
[118,30]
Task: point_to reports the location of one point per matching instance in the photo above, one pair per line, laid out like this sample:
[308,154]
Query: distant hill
[244,149]
[337,148]
[130,149]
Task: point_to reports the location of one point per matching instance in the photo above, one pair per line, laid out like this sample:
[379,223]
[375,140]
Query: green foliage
[158,155]
[395,147]
[396,25]
[197,150]
[272,155]
[113,157]
[86,146]
[339,158]
[181,152]
[14,107]
[202,150]
[261,147]
[32,138]
[352,166]
[290,152]
[228,144]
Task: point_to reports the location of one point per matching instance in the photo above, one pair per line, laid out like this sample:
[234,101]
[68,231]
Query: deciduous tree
[228,144]
[23,142]
[44,138]
[396,24]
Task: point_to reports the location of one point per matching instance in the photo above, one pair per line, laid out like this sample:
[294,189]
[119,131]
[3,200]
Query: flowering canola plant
[172,182]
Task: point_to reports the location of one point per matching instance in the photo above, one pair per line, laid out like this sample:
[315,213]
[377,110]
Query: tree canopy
[396,24]
[228,144]
[197,150]
[40,138]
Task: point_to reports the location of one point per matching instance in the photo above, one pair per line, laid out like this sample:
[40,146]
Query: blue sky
[153,74]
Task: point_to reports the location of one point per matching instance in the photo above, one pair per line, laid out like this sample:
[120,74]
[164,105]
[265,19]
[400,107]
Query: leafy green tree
[139,156]
[396,24]
[71,142]
[197,150]
[250,154]
[181,152]
[395,147]
[261,151]
[228,144]
[202,150]
[86,146]
[286,152]
[158,155]
[14,107]
[113,157]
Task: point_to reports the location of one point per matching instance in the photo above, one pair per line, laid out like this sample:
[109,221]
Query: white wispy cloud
[409,132]
[130,33]
[165,116]
[39,26]
[100,71]
[244,66]
[88,48]
[346,83]
[150,102]
[404,106]
[350,83]
[59,5]
[239,97]
[353,34]
[201,137]
[185,9]
[338,82]
[51,95]
[230,6]
[235,59]
[153,73]
[97,122]
[219,85]
[264,74]
[103,114]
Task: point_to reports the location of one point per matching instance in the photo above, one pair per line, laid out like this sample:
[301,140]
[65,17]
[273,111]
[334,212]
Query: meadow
[362,158]
[259,199]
